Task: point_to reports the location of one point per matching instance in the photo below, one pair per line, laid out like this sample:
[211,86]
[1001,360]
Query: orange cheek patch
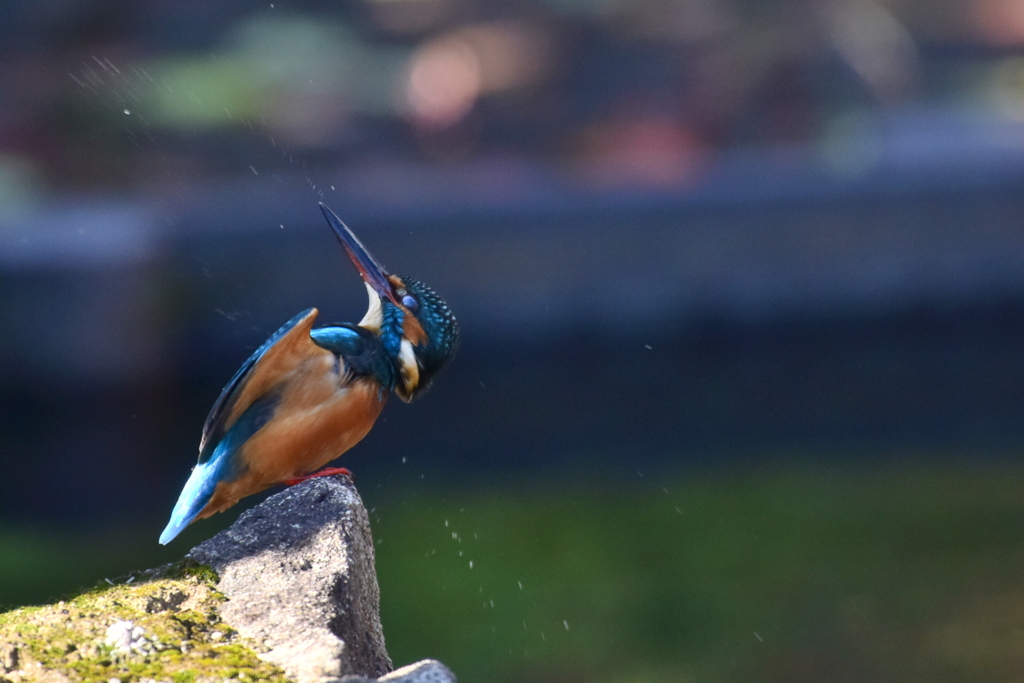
[411,328]
[413,331]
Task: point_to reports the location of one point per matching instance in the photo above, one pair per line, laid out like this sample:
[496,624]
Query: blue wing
[222,438]
[258,383]
[215,426]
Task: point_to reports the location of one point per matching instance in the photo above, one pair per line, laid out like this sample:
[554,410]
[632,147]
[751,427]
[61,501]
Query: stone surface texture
[427,671]
[298,572]
[294,600]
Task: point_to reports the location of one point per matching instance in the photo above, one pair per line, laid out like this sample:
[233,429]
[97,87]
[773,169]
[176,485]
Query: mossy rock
[160,625]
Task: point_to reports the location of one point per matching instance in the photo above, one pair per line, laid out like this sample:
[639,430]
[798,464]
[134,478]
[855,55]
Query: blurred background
[741,284]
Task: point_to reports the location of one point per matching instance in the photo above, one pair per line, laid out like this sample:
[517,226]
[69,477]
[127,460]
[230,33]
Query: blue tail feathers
[224,464]
[197,493]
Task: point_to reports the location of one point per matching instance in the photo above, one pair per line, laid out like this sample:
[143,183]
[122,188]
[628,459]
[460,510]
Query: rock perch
[298,572]
[295,600]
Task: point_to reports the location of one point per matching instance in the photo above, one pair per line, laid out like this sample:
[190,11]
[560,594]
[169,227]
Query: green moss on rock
[166,627]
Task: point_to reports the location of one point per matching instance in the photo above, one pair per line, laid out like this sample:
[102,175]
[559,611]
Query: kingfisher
[308,395]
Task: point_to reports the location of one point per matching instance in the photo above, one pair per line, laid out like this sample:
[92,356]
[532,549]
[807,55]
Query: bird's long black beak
[372,272]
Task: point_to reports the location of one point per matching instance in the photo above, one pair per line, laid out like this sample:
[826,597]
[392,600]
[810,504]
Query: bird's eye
[410,302]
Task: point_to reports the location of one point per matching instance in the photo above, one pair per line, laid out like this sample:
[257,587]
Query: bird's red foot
[326,472]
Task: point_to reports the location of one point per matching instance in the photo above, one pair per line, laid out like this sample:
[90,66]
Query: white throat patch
[374,316]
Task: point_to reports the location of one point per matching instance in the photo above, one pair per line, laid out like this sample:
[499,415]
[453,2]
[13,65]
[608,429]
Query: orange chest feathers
[318,418]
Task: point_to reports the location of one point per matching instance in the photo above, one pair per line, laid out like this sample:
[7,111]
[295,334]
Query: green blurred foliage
[787,574]
[782,575]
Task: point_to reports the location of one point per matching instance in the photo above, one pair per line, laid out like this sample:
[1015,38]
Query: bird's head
[415,325]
